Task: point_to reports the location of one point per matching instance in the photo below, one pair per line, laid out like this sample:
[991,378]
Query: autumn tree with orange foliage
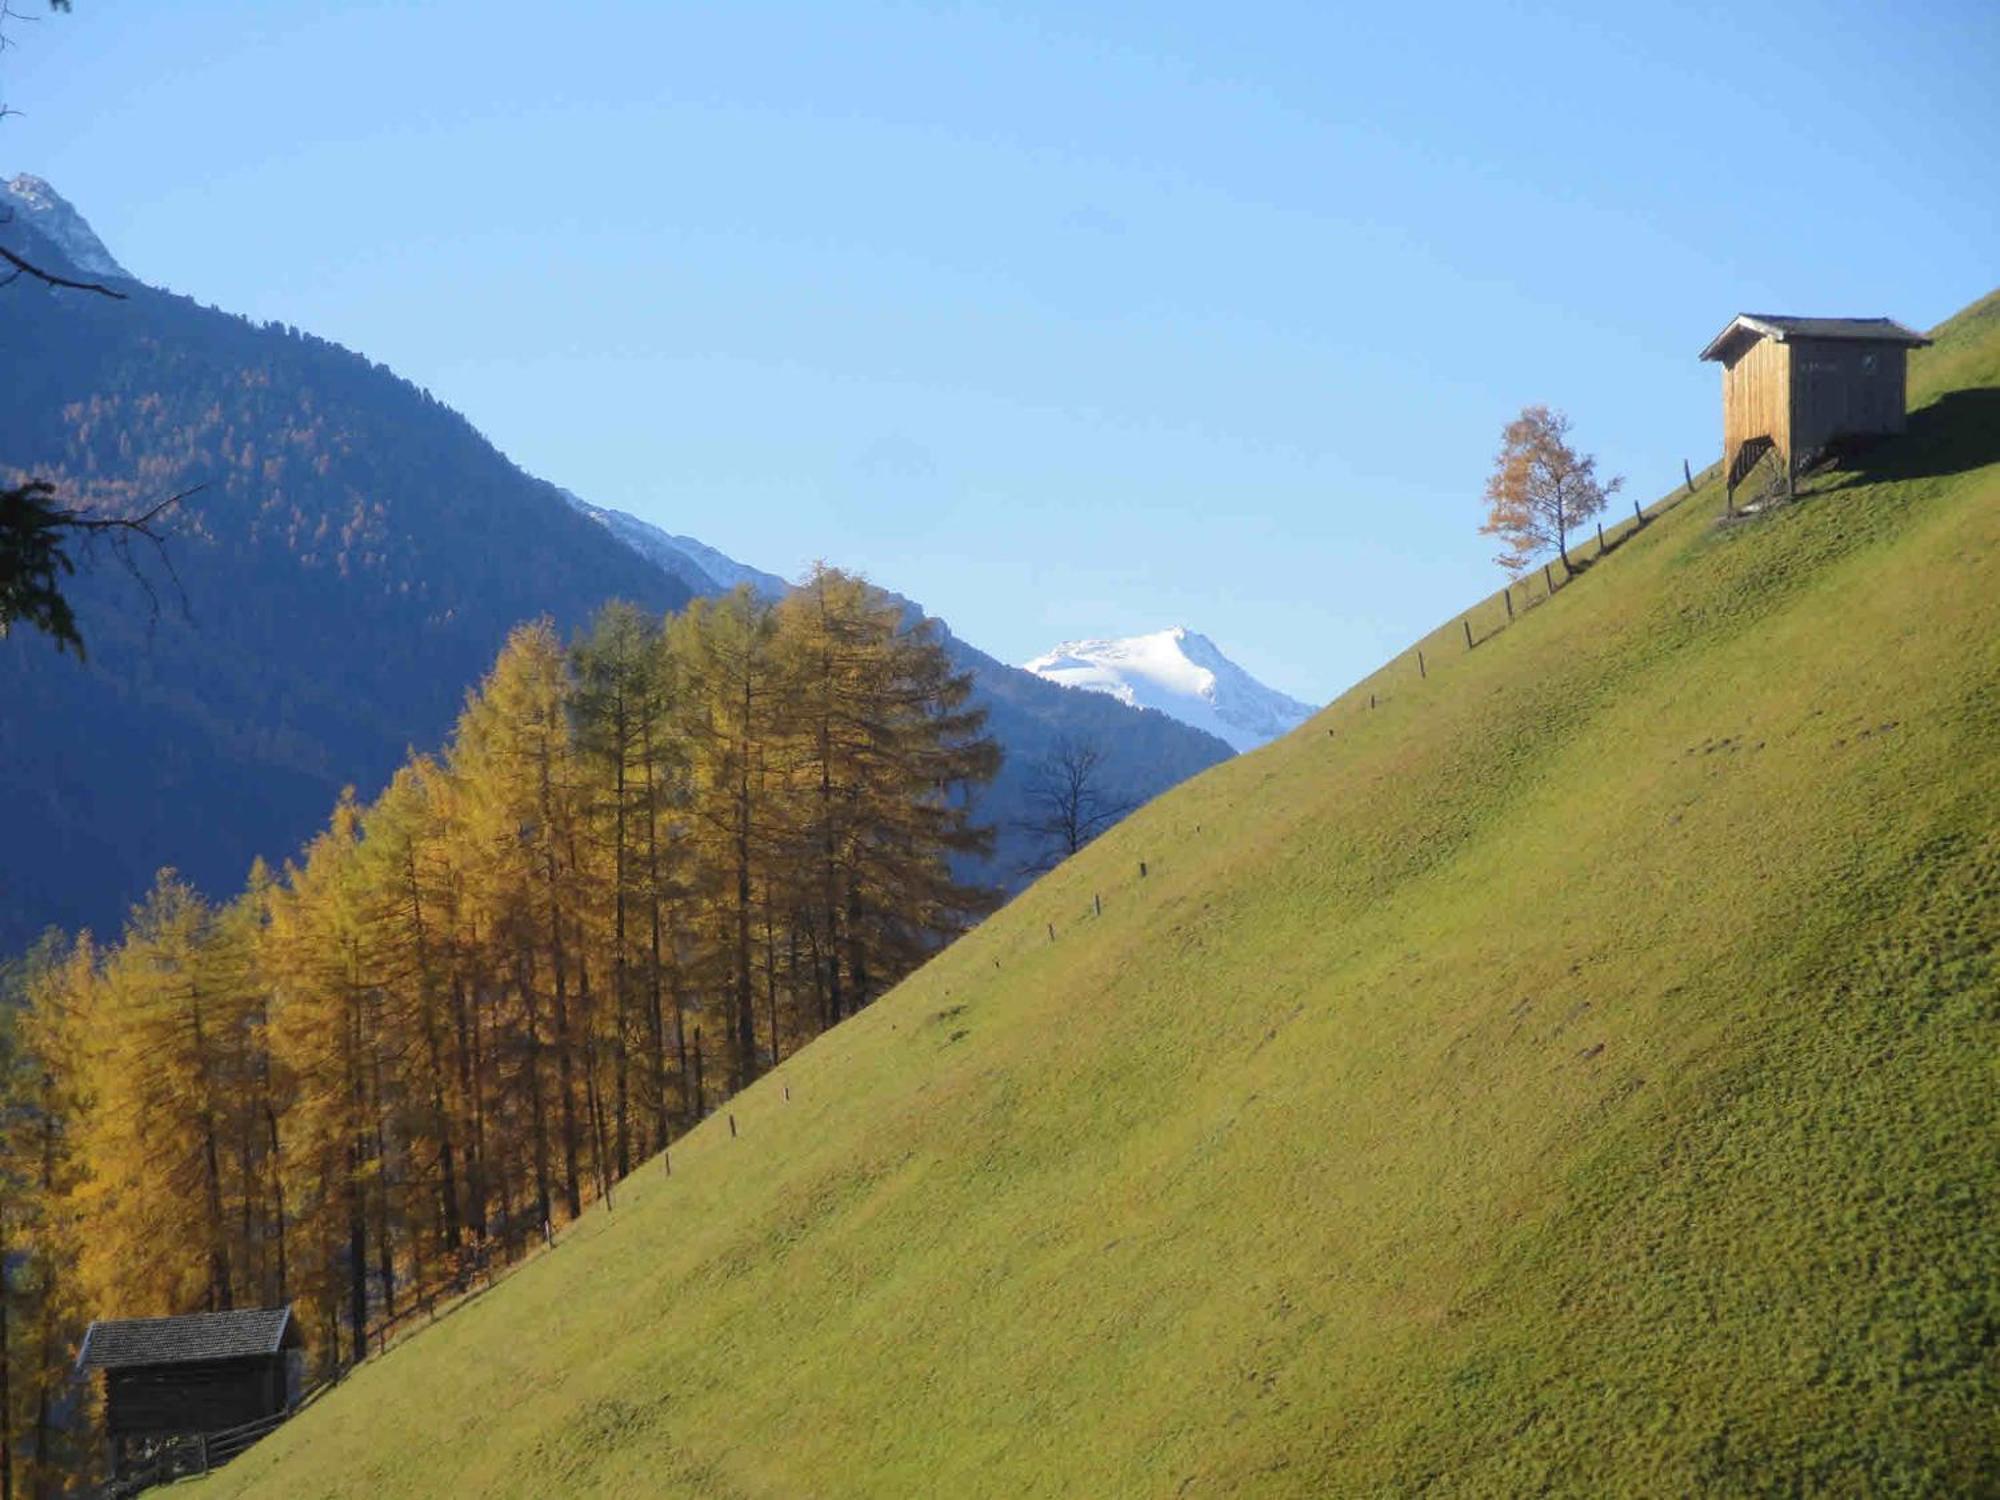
[1541,489]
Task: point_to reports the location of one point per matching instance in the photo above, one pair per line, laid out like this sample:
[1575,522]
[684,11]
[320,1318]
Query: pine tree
[44,1105]
[164,1041]
[515,756]
[324,980]
[731,697]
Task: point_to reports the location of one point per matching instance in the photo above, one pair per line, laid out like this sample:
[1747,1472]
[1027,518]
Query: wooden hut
[1792,386]
[191,1376]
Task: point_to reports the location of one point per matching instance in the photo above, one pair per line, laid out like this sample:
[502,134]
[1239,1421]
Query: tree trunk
[656,1021]
[277,1194]
[565,1071]
[471,1087]
[537,1107]
[218,1252]
[743,1054]
[44,1464]
[565,1068]
[620,1002]
[6,1383]
[434,1052]
[357,1254]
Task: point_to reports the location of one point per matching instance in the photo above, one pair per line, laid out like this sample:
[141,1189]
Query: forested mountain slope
[352,566]
[1572,1075]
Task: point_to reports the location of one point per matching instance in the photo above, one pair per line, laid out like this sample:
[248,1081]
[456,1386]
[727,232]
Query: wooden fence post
[1097,903]
[1052,932]
[1142,869]
[1687,473]
[1371,700]
[1600,537]
[667,1162]
[1638,515]
[1420,664]
[1549,579]
[700,1093]
[1508,594]
[1468,633]
[732,1127]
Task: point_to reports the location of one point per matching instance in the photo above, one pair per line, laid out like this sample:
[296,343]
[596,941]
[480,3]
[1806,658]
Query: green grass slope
[1575,1075]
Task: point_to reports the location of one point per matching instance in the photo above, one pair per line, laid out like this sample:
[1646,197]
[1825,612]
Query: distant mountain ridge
[703,569]
[1144,749]
[352,563]
[1182,674]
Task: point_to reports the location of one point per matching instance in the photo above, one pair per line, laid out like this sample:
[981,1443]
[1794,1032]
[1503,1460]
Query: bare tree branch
[1069,806]
[52,279]
[79,520]
[35,558]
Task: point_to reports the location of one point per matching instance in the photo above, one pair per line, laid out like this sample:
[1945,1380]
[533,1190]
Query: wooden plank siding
[206,1396]
[1756,398]
[1843,388]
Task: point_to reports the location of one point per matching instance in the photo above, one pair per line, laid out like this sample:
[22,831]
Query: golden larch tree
[1541,489]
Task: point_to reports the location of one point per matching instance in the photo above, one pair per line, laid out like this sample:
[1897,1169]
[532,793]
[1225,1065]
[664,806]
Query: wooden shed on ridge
[1794,385]
[189,1376]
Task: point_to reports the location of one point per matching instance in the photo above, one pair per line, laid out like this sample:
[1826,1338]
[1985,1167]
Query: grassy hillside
[1574,1075]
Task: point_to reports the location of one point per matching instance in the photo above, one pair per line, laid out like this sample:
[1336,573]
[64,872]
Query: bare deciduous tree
[1069,804]
[1541,489]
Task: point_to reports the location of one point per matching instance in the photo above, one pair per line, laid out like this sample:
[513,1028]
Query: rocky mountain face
[29,203]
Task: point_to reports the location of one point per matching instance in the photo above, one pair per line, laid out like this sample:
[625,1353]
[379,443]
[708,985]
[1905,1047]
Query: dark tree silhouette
[36,538]
[37,535]
[1068,802]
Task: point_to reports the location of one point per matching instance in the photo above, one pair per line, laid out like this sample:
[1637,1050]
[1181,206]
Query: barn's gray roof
[1751,326]
[116,1344]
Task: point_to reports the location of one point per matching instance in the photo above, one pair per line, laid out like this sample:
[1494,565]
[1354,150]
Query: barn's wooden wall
[1803,393]
[200,1397]
[1841,388]
[1756,397]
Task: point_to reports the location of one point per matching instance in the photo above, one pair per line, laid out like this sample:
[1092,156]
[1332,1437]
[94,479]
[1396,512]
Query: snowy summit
[1183,675]
[32,202]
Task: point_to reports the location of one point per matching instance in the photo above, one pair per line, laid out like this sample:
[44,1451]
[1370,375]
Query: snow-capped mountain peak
[32,202]
[1182,673]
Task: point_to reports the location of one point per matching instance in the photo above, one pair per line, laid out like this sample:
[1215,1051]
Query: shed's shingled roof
[1751,326]
[121,1343]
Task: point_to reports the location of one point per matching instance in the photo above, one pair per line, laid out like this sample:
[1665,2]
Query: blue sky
[1064,320]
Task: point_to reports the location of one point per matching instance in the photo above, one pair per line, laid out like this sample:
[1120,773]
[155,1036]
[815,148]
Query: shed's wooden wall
[1804,393]
[203,1397]
[1756,397]
[1842,388]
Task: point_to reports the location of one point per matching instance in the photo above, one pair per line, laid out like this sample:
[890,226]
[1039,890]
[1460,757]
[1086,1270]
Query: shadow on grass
[1958,432]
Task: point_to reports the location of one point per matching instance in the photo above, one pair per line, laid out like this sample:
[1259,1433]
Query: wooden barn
[191,1376]
[1793,386]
